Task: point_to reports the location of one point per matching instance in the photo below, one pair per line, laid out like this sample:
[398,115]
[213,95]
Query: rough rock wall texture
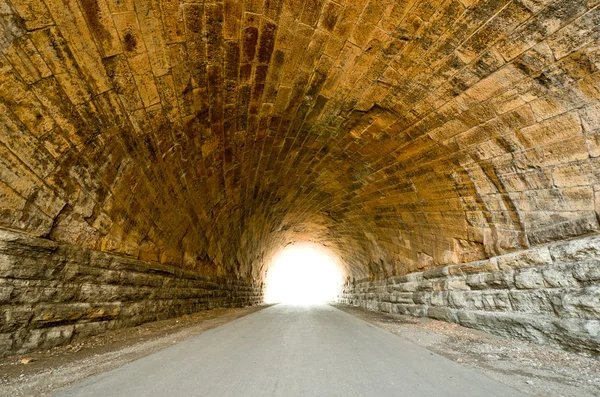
[51,293]
[549,294]
[205,135]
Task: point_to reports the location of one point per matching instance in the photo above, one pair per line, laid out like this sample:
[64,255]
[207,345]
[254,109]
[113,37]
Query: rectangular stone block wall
[548,294]
[51,293]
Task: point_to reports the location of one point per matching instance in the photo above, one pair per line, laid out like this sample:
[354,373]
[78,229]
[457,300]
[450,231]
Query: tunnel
[157,155]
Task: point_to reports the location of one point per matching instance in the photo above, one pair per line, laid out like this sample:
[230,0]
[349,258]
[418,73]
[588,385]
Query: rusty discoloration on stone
[208,135]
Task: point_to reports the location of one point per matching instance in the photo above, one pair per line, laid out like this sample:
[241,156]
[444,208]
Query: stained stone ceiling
[209,134]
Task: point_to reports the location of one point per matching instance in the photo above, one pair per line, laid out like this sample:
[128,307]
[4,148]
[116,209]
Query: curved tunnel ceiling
[209,134]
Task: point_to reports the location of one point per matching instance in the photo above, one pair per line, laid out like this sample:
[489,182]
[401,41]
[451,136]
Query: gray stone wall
[51,293]
[549,294]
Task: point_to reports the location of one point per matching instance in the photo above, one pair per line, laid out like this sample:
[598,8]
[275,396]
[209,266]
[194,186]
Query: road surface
[291,351]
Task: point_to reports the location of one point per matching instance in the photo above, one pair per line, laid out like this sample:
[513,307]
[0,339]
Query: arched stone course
[202,136]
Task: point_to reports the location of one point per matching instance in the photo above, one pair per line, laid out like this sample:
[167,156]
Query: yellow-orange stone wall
[207,134]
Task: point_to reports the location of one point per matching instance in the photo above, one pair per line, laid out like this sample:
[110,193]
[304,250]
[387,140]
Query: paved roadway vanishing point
[291,351]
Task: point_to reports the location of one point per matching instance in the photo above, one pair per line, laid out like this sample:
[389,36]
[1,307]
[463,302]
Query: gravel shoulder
[532,369]
[45,372]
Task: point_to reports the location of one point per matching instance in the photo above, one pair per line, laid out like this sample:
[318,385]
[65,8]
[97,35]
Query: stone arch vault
[154,154]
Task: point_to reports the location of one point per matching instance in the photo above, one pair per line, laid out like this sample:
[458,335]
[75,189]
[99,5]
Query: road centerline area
[288,350]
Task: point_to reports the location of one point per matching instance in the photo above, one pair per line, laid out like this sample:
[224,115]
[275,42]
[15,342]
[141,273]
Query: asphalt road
[293,351]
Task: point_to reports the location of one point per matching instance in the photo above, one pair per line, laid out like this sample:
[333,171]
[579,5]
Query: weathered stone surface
[191,140]
[577,250]
[531,295]
[42,338]
[529,279]
[588,271]
[207,135]
[69,292]
[529,258]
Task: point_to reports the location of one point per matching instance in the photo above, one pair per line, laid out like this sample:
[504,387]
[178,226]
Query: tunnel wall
[52,293]
[398,132]
[206,135]
[548,294]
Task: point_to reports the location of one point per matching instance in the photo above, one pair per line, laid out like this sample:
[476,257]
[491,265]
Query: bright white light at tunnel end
[303,274]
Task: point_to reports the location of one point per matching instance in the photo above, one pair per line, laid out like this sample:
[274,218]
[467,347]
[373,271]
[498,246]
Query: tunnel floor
[533,369]
[290,350]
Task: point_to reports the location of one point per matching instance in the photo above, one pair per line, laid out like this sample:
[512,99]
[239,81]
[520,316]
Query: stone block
[425,285]
[583,303]
[406,287]
[21,245]
[458,300]
[6,342]
[404,297]
[437,272]
[439,298]
[441,313]
[457,284]
[15,317]
[576,250]
[45,338]
[415,310]
[529,258]
[499,280]
[529,279]
[422,298]
[496,301]
[587,271]
[560,276]
[536,302]
[473,267]
[67,313]
[5,291]
[85,330]
[476,281]
[14,267]
[77,272]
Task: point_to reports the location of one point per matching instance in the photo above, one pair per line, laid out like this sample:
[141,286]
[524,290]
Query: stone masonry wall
[51,293]
[549,294]
[208,134]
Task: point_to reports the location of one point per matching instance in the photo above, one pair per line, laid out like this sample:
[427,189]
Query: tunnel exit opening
[303,274]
